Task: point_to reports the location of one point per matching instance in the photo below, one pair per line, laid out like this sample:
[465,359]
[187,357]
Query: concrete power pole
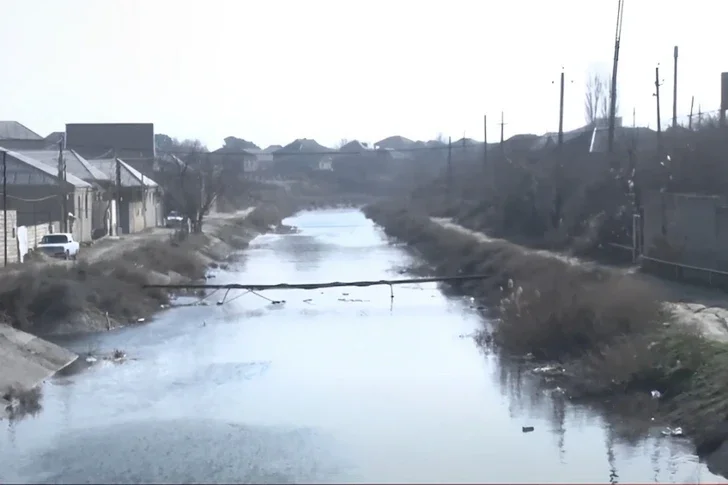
[690,118]
[561,111]
[502,124]
[62,186]
[657,95]
[449,172]
[674,90]
[613,90]
[117,163]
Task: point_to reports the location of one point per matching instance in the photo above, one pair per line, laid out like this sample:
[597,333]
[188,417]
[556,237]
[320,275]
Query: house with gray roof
[15,136]
[40,196]
[140,198]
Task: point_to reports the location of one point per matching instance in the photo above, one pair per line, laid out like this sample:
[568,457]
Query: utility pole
[690,118]
[700,115]
[118,194]
[62,185]
[561,111]
[5,206]
[449,171]
[502,124]
[674,90]
[657,95]
[613,90]
[485,142]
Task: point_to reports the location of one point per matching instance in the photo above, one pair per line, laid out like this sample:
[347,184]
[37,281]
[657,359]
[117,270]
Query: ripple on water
[184,451]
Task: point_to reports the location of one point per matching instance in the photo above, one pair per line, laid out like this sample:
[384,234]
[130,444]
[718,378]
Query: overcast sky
[271,71]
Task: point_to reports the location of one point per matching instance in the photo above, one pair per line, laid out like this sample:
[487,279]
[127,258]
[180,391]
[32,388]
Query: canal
[341,384]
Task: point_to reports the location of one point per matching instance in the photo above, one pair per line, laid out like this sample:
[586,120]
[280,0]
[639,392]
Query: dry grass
[608,327]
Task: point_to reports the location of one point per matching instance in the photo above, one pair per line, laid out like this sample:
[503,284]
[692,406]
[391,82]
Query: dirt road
[705,309]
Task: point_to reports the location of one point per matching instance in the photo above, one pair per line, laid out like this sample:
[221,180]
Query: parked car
[59,245]
[173,220]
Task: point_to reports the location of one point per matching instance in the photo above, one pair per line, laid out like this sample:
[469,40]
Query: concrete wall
[686,228]
[34,234]
[40,204]
[11,229]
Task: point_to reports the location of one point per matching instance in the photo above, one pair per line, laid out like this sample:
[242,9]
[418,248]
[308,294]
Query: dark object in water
[527,429]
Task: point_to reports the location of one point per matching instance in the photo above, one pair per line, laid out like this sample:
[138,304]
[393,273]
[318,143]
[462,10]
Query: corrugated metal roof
[130,177]
[75,163]
[25,170]
[12,130]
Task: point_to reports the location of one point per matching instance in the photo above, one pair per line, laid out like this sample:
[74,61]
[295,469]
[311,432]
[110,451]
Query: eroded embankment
[607,331]
[45,299]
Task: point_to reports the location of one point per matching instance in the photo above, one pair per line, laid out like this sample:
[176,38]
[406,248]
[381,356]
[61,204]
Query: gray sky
[271,71]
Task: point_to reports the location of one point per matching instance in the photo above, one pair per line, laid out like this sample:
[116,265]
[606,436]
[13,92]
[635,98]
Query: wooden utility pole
[118,195]
[561,111]
[62,186]
[690,118]
[449,172]
[5,207]
[657,95]
[613,90]
[674,90]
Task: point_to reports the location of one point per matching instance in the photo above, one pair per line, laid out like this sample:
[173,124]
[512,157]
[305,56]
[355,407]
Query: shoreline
[604,335]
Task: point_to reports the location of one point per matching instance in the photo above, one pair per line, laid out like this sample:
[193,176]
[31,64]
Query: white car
[59,245]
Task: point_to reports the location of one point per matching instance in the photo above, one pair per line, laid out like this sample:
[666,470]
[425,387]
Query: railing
[679,266]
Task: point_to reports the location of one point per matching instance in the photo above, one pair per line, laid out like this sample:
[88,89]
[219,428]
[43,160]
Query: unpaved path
[700,308]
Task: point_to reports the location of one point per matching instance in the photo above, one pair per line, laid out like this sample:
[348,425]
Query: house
[301,155]
[397,147]
[16,136]
[103,207]
[141,197]
[36,192]
[128,141]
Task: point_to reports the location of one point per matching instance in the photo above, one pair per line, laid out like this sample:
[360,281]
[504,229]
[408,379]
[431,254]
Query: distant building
[16,136]
[130,141]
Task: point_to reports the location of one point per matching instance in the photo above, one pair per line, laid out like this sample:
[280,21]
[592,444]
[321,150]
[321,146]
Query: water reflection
[336,385]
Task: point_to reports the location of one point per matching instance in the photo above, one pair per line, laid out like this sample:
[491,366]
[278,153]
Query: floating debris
[675,432]
[656,394]
[91,359]
[141,320]
[550,370]
[308,300]
[527,429]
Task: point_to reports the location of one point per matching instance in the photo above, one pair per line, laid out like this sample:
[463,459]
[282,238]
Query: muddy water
[332,385]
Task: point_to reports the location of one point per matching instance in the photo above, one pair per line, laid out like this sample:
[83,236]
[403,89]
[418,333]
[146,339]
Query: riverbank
[605,334]
[104,288]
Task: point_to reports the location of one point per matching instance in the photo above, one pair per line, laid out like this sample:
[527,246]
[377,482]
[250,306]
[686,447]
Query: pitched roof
[303,145]
[12,130]
[55,137]
[130,177]
[354,146]
[75,163]
[394,142]
[272,148]
[29,171]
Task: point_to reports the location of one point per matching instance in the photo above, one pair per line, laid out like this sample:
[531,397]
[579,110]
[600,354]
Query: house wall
[82,208]
[11,228]
[686,228]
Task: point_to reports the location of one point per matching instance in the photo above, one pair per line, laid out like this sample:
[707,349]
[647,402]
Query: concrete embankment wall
[26,360]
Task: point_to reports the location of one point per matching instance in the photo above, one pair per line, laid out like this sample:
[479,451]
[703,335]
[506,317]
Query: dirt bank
[104,288]
[607,334]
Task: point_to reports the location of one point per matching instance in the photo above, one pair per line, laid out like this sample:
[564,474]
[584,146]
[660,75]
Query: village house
[141,197]
[104,203]
[36,193]
[16,136]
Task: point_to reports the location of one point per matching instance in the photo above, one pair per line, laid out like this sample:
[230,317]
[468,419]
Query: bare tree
[194,180]
[596,94]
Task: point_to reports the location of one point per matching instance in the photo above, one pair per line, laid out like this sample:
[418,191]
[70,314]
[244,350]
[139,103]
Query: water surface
[342,384]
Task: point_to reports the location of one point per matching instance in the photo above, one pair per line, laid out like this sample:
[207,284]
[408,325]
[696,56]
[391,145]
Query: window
[85,206]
